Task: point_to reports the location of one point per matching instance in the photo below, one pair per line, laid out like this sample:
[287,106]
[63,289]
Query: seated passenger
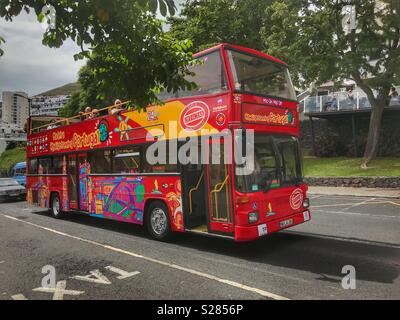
[52,125]
[94,114]
[117,108]
[86,114]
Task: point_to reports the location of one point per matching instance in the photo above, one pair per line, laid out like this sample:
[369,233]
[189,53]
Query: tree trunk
[375,125]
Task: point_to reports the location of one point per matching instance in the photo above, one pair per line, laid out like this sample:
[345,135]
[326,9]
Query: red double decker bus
[101,166]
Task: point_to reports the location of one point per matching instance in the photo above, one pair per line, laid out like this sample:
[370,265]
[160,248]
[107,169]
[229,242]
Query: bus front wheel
[157,221]
[55,208]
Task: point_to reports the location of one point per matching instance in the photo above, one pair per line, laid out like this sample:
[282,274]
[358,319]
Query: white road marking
[323,236]
[19,297]
[95,276]
[359,204]
[2,261]
[173,266]
[59,291]
[122,274]
[379,216]
[355,204]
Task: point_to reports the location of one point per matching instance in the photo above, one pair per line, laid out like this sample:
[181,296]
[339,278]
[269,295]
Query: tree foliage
[90,94]
[130,54]
[309,34]
[208,22]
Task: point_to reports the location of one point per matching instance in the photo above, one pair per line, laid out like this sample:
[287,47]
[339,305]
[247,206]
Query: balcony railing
[340,101]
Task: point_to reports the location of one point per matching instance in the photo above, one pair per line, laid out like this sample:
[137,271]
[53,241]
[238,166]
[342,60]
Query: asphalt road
[101,259]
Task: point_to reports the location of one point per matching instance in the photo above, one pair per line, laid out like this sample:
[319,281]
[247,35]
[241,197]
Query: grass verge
[9,158]
[350,167]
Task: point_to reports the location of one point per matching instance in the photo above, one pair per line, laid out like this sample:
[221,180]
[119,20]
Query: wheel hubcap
[158,220]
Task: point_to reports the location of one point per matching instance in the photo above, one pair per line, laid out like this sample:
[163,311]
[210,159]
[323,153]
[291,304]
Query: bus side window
[45,166]
[159,167]
[57,165]
[33,166]
[100,162]
[127,161]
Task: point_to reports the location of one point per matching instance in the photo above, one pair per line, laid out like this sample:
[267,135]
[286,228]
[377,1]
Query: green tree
[128,50]
[309,34]
[208,22]
[73,106]
[89,95]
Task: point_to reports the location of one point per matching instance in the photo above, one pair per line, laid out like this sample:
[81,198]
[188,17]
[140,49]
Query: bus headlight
[253,217]
[306,203]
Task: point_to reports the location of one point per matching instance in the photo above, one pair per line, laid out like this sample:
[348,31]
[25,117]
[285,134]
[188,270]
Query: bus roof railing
[67,121]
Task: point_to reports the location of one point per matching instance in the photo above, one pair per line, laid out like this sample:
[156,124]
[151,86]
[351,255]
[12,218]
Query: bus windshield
[277,163]
[208,75]
[256,75]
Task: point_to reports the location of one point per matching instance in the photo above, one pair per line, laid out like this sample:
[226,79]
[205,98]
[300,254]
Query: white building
[48,105]
[15,108]
[9,129]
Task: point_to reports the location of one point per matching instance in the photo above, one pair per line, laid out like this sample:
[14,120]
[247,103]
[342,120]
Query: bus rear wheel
[55,208]
[157,221]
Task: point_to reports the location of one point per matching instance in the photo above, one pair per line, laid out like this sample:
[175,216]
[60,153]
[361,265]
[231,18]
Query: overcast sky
[29,66]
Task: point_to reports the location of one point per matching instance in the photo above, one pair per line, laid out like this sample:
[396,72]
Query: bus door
[83,171]
[218,182]
[195,196]
[72,172]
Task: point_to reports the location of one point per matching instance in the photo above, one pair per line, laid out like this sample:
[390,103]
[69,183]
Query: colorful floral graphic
[119,198]
[123,128]
[123,198]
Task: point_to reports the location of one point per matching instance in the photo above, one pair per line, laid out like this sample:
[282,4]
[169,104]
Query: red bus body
[62,161]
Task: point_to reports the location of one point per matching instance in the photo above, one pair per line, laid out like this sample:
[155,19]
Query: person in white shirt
[117,108]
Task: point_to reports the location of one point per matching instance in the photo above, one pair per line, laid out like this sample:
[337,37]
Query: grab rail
[67,120]
[192,190]
[217,189]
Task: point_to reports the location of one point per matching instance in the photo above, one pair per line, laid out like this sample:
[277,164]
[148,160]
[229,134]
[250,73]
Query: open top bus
[101,166]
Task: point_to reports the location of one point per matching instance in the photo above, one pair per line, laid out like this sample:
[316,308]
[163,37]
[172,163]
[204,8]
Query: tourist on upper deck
[87,114]
[117,108]
[52,125]
[393,93]
[95,114]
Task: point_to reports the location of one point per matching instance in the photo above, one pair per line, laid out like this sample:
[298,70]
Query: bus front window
[276,164]
[260,76]
[208,75]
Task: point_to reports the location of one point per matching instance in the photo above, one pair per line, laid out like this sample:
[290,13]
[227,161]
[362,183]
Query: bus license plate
[262,230]
[286,223]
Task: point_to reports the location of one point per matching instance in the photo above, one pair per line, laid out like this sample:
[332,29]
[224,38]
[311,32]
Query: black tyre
[55,206]
[158,222]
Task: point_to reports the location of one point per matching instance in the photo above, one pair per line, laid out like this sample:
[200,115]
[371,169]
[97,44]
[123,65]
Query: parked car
[19,173]
[10,188]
